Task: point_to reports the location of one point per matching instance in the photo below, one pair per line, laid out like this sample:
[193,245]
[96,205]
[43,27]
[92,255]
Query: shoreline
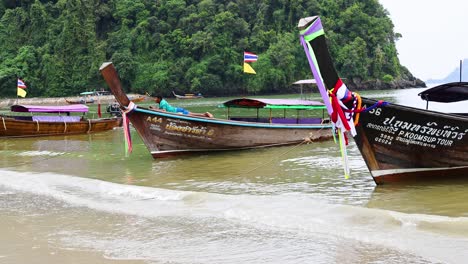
[7,102]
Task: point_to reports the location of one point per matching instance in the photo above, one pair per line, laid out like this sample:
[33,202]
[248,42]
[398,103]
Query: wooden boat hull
[13,128]
[167,134]
[402,144]
[80,101]
[192,96]
[138,99]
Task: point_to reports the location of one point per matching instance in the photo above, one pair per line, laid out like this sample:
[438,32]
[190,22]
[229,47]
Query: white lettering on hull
[428,134]
[180,128]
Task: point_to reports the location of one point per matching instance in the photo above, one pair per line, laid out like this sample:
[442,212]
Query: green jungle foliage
[160,46]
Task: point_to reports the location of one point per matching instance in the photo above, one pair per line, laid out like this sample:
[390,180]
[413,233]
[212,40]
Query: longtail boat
[187,96]
[401,143]
[51,121]
[398,143]
[138,98]
[169,134]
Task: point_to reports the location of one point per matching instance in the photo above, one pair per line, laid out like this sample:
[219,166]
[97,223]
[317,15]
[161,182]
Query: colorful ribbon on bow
[126,127]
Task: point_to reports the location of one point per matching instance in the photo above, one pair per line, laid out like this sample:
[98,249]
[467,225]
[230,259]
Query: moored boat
[401,143]
[138,98]
[169,134]
[187,96]
[398,143]
[52,120]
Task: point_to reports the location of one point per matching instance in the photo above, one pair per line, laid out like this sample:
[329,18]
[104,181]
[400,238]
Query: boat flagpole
[17,90]
[461,67]
[99,106]
[111,77]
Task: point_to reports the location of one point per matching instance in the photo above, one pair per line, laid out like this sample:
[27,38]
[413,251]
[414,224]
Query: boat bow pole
[109,73]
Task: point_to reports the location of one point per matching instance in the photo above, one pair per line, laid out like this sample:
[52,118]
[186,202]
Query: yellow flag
[21,92]
[248,69]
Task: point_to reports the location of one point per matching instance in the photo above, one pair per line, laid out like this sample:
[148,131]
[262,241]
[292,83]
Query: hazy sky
[435,35]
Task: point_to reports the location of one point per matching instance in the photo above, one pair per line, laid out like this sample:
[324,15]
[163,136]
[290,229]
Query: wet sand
[20,244]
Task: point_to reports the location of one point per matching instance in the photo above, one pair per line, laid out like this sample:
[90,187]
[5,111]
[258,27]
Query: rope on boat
[4,125]
[306,140]
[357,109]
[37,124]
[89,125]
[65,130]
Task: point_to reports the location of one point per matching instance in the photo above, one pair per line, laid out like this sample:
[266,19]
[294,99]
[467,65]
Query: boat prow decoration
[340,102]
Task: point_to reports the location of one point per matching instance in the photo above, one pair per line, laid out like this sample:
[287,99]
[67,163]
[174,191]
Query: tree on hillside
[186,45]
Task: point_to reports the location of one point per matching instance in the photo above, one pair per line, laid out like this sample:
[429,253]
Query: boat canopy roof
[273,103]
[101,92]
[446,93]
[50,109]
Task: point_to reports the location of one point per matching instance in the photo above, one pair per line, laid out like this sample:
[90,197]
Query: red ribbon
[336,107]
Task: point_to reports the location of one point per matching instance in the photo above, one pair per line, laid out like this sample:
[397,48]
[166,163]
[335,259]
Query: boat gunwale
[273,103]
[231,122]
[422,111]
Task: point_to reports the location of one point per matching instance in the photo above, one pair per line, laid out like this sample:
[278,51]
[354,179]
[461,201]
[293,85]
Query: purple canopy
[50,109]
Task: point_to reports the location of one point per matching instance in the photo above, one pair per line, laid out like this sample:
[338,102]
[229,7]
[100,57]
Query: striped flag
[250,57]
[20,87]
[21,84]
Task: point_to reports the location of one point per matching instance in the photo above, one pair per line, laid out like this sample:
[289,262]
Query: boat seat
[67,119]
[24,118]
[316,120]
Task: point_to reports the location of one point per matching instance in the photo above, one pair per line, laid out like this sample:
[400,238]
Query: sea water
[79,199]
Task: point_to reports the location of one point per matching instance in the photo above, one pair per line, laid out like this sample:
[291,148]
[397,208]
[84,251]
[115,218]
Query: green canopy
[273,104]
[87,93]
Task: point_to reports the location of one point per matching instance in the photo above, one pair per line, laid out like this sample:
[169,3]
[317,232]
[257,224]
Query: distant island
[454,76]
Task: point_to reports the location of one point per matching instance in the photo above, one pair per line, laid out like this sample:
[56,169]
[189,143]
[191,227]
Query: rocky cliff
[357,84]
